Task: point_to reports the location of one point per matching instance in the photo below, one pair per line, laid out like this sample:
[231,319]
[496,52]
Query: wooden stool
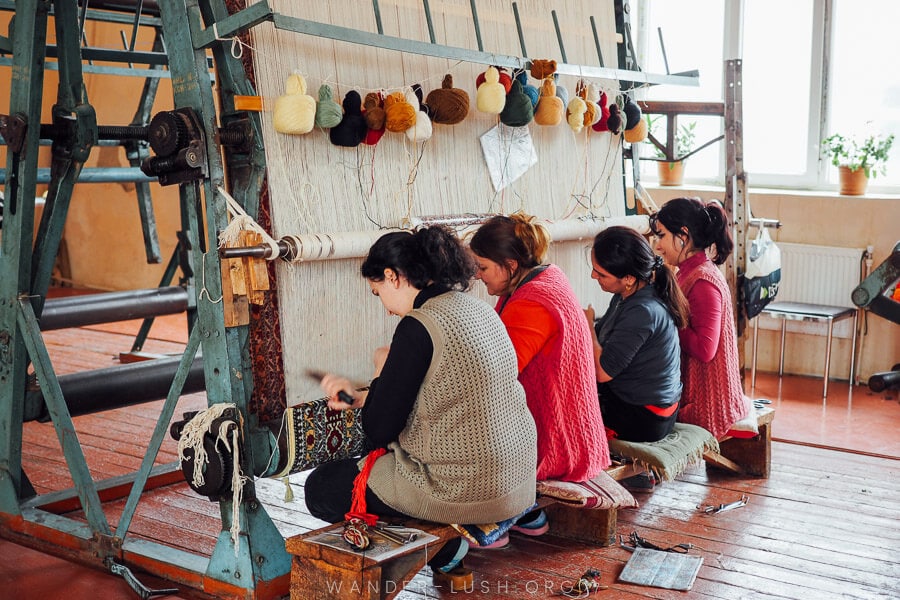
[323,571]
[751,456]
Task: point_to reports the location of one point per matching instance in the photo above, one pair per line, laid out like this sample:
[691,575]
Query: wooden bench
[747,456]
[322,571]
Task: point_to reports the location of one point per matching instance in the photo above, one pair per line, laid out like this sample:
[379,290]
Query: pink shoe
[536,526]
[501,542]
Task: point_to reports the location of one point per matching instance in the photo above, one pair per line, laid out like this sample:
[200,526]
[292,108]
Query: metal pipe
[95,175]
[78,311]
[116,387]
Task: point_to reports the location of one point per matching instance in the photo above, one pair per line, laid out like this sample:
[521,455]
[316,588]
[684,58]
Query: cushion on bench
[669,457]
[601,492]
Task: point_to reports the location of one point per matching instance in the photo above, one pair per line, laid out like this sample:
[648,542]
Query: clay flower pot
[853,183]
[671,173]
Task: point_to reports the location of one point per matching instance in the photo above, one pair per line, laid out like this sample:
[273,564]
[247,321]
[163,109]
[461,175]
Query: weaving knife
[319,375]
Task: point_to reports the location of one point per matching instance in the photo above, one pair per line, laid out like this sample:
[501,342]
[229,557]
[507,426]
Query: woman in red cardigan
[693,236]
[553,345]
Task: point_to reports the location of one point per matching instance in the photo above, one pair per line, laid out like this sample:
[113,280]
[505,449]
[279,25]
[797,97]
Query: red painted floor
[854,420]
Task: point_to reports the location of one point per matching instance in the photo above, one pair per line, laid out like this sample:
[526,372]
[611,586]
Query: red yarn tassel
[358,498]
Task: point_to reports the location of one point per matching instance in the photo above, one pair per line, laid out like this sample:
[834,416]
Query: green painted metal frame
[260,558]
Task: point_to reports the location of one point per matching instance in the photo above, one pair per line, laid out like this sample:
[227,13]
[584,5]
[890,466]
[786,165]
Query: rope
[241,221]
[192,437]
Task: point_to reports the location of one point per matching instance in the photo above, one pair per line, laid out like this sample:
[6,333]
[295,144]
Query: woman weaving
[445,401]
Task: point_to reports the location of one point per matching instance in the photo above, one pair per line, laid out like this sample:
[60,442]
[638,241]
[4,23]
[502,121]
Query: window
[810,68]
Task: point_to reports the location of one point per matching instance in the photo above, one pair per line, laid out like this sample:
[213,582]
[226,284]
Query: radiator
[817,275]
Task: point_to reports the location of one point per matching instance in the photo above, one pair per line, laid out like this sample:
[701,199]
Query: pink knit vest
[713,396]
[560,386]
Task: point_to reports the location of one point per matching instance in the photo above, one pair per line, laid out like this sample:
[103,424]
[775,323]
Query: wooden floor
[824,525]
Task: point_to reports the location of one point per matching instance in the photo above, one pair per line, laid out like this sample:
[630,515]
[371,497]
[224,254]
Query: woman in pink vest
[553,346]
[693,236]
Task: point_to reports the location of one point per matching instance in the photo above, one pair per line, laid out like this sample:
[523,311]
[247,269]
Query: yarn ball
[295,111]
[590,109]
[541,68]
[352,129]
[374,111]
[449,105]
[614,122]
[373,136]
[420,102]
[592,97]
[421,129]
[563,93]
[636,134]
[503,78]
[575,113]
[550,108]
[401,115]
[532,92]
[600,125]
[491,95]
[518,110]
[632,113]
[328,112]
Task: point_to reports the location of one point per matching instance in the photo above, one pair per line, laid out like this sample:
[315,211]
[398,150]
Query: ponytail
[706,224]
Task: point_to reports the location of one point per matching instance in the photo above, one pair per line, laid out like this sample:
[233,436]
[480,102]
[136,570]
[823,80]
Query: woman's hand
[589,315]
[379,358]
[333,385]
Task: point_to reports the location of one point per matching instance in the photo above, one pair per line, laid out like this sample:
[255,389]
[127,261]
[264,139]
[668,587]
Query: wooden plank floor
[824,525]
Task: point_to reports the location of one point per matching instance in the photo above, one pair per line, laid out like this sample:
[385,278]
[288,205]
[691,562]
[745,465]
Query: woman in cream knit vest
[445,400]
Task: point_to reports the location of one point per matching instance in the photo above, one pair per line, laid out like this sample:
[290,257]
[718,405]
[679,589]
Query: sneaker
[532,524]
[642,482]
[501,542]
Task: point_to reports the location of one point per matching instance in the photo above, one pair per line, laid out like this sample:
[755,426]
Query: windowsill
[770,191]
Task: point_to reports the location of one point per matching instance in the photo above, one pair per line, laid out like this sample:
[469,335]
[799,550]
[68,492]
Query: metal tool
[319,375]
[715,509]
[134,583]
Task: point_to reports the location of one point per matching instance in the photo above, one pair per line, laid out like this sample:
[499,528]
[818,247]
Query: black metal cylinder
[887,380]
[78,311]
[115,387]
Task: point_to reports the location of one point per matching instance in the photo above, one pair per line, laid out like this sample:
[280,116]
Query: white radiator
[817,275]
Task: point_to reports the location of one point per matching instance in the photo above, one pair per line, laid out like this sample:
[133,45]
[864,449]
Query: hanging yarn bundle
[542,68]
[373,112]
[517,111]
[490,97]
[352,129]
[328,112]
[635,125]
[530,91]
[592,97]
[575,113]
[449,105]
[590,108]
[421,129]
[400,114]
[601,124]
[503,79]
[295,110]
[615,121]
[550,108]
[561,90]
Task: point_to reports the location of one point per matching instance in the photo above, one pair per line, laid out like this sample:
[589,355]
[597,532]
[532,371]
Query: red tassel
[358,498]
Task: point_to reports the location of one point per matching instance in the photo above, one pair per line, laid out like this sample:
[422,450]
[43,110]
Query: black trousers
[633,423]
[329,494]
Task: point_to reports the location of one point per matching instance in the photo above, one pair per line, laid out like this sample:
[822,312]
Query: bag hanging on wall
[763,274]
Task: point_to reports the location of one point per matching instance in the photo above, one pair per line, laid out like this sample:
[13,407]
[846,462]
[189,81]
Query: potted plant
[858,159]
[671,172]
